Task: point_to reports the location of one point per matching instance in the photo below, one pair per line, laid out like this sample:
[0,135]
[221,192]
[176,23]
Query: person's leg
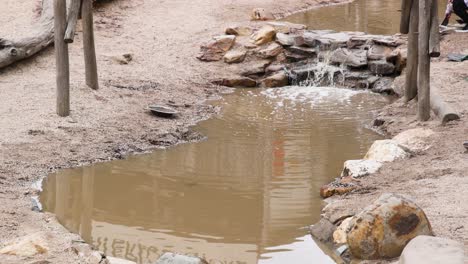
[460,8]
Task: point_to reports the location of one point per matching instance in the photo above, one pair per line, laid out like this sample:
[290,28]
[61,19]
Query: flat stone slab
[432,250]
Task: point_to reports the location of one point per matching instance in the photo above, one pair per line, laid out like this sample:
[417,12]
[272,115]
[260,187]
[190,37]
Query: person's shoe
[465,27]
[460,21]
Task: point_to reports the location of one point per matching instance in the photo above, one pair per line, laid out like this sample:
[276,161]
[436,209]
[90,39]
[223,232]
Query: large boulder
[215,49]
[264,35]
[416,140]
[172,258]
[360,168]
[432,250]
[386,151]
[384,228]
[28,246]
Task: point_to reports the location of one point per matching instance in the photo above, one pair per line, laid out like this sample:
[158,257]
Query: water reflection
[246,195]
[370,16]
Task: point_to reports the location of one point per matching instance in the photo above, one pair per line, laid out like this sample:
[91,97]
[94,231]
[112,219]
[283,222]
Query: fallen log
[18,49]
[442,109]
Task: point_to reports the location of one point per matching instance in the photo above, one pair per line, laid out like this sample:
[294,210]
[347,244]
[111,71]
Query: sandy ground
[163,37]
[437,180]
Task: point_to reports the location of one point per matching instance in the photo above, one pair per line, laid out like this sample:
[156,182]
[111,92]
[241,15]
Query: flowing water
[247,194]
[370,16]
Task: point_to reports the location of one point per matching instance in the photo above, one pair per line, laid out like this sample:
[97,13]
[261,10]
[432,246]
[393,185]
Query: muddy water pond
[247,194]
[370,16]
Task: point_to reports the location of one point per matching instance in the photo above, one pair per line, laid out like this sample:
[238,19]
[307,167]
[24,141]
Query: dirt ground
[163,38]
[437,180]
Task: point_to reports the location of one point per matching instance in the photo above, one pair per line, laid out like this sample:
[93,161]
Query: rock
[172,258]
[279,79]
[379,52]
[215,49]
[255,68]
[97,258]
[123,59]
[386,151]
[360,168]
[275,68]
[323,230]
[309,52]
[264,35]
[286,27]
[353,58]
[432,250]
[341,233]
[335,39]
[338,187]
[113,260]
[289,39]
[416,140]
[294,57]
[381,67]
[239,82]
[235,56]
[270,51]
[383,85]
[261,14]
[387,40]
[82,249]
[239,31]
[400,56]
[28,246]
[310,39]
[384,228]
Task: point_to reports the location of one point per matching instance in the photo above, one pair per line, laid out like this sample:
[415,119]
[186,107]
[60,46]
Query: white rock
[386,151]
[360,168]
[432,250]
[416,140]
[341,233]
[27,246]
[172,258]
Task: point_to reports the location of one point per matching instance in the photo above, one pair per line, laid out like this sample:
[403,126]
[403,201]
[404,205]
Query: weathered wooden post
[424,61]
[409,25]
[88,43]
[61,57]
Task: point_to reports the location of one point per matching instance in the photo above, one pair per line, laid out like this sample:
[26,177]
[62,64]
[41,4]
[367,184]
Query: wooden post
[424,105]
[88,43]
[411,83]
[434,39]
[73,15]
[405,16]
[61,57]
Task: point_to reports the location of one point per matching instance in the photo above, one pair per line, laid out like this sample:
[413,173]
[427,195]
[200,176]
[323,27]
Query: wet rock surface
[383,229]
[351,59]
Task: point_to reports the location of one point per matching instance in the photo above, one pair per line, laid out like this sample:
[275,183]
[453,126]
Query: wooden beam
[88,43]
[62,60]
[73,14]
[424,60]
[405,16]
[411,82]
[13,50]
[443,110]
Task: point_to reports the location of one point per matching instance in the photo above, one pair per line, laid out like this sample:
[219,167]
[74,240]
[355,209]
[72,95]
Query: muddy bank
[435,176]
[112,122]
